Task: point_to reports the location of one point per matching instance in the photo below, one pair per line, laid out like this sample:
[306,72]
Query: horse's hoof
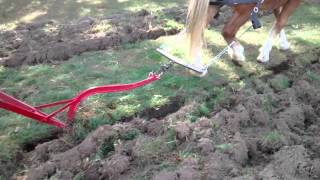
[237,63]
[264,55]
[285,46]
[262,58]
[240,58]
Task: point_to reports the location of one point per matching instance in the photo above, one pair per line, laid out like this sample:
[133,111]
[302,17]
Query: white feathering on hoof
[236,52]
[284,44]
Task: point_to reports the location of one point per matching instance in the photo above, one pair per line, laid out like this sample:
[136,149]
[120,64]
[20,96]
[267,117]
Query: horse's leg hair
[282,16]
[240,17]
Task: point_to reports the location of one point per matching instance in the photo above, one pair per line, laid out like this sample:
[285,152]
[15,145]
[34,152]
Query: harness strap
[256,24]
[232,2]
[254,14]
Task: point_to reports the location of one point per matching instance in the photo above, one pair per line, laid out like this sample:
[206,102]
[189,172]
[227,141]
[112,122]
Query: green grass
[312,76]
[210,100]
[224,147]
[171,138]
[149,148]
[267,104]
[272,139]
[185,154]
[130,135]
[280,82]
[106,148]
[79,176]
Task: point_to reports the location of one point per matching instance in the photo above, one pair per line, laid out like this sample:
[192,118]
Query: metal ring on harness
[256,9]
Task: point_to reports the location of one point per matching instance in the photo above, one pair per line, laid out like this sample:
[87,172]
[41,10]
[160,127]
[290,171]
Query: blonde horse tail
[196,24]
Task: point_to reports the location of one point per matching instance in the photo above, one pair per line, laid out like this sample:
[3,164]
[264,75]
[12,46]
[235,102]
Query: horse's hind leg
[284,44]
[282,15]
[266,48]
[283,41]
[240,16]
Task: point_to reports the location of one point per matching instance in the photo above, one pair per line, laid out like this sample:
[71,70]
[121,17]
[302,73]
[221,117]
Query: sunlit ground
[13,12]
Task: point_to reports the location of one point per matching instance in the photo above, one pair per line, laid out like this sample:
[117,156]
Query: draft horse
[201,12]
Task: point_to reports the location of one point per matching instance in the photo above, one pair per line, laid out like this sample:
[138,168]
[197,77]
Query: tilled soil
[47,41]
[266,132]
[50,42]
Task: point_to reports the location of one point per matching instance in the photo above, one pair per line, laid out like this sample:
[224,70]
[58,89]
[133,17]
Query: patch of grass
[307,58]
[154,147]
[96,122]
[171,138]
[171,24]
[216,96]
[7,149]
[312,76]
[103,27]
[147,148]
[237,86]
[272,140]
[267,104]
[212,98]
[28,134]
[201,110]
[79,176]
[224,147]
[79,132]
[158,101]
[125,111]
[139,177]
[106,148]
[280,82]
[272,137]
[168,166]
[193,118]
[130,135]
[184,154]
[204,110]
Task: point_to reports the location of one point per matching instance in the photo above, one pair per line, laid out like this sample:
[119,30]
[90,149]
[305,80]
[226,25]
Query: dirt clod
[114,166]
[182,130]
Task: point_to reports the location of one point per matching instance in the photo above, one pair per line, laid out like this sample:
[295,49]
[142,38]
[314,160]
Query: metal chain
[225,50]
[164,68]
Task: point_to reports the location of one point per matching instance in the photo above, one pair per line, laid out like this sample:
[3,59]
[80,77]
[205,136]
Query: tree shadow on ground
[67,10]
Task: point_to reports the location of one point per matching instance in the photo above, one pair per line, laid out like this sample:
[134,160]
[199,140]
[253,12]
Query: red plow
[12,104]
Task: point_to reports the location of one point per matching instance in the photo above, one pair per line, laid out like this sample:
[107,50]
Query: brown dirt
[47,41]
